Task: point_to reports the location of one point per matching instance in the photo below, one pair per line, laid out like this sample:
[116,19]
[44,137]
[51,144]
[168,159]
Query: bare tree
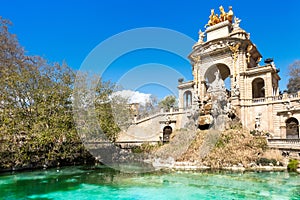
[294,80]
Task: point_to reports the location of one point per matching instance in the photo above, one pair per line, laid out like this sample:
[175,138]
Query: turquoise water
[103,183]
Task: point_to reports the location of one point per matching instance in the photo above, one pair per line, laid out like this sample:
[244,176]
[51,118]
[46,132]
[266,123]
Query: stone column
[282,132]
[202,89]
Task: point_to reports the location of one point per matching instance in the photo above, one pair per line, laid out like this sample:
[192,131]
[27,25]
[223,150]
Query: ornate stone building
[225,51]
[253,90]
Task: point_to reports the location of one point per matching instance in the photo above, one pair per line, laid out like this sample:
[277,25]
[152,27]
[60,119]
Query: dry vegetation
[234,147]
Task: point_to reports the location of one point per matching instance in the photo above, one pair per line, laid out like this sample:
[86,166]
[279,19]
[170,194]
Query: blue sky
[70,29]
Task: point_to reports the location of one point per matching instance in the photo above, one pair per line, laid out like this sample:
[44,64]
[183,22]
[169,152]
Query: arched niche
[292,128]
[258,88]
[167,131]
[187,99]
[225,74]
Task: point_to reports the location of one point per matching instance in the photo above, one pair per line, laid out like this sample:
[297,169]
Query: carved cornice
[222,45]
[189,84]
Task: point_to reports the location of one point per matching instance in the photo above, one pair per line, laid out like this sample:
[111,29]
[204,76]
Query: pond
[104,183]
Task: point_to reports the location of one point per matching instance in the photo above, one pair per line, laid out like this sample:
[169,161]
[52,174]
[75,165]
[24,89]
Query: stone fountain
[214,109]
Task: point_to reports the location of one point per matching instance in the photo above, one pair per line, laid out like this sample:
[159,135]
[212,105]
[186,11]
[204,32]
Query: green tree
[97,114]
[167,102]
[35,107]
[294,80]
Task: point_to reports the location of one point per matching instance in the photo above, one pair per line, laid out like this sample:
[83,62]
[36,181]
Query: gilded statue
[223,15]
[215,19]
[230,14]
[210,21]
[235,48]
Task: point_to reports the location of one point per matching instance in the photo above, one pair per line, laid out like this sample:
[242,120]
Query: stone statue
[237,22]
[201,36]
[248,55]
[217,92]
[236,89]
[217,84]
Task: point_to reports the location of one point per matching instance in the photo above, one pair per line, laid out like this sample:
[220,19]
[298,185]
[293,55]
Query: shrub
[253,132]
[144,148]
[266,161]
[293,165]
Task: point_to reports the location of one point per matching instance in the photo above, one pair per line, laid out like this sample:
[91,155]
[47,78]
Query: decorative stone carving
[201,37]
[236,24]
[234,49]
[248,54]
[257,122]
[219,101]
[236,90]
[196,59]
[212,47]
[195,75]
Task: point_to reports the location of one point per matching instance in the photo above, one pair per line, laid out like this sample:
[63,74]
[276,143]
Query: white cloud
[133,96]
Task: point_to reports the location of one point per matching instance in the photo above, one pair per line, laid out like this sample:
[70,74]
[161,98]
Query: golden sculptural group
[215,19]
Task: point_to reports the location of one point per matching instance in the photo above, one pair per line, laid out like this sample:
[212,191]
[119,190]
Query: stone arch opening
[258,88]
[224,72]
[292,128]
[167,131]
[187,99]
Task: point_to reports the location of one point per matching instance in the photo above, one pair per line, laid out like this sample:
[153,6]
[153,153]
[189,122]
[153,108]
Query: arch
[292,128]
[167,131]
[258,88]
[210,72]
[187,99]
[225,73]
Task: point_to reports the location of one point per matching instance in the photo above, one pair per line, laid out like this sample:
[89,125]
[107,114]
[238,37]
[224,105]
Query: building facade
[253,90]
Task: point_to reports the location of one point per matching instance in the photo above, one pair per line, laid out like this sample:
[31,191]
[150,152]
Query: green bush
[144,148]
[266,162]
[253,132]
[293,165]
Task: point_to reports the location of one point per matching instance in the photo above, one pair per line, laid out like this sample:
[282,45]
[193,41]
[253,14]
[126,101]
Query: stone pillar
[162,110]
[180,99]
[282,132]
[268,85]
[202,90]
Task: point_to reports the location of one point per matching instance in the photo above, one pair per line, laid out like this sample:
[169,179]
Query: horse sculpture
[215,19]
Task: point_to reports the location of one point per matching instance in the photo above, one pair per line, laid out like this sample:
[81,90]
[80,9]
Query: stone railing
[172,111]
[259,100]
[283,97]
[285,144]
[121,144]
[277,98]
[284,141]
[293,96]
